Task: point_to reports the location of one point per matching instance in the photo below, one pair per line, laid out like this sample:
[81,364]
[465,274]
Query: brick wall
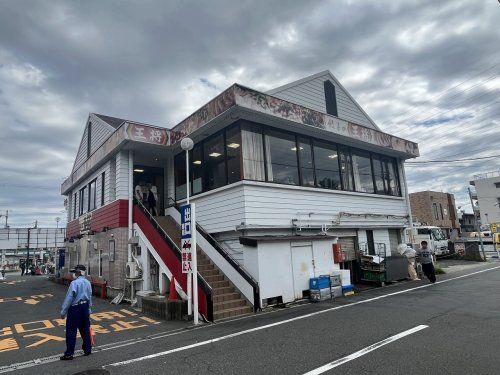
[422,206]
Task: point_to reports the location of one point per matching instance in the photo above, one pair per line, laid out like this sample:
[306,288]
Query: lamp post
[187,145]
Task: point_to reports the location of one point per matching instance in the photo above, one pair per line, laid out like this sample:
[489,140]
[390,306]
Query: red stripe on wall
[168,255]
[112,215]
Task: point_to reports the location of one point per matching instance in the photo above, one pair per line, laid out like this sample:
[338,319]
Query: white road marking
[364,351]
[281,322]
[119,344]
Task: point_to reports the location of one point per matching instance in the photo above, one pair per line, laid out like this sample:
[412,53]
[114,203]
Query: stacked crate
[319,288]
[335,286]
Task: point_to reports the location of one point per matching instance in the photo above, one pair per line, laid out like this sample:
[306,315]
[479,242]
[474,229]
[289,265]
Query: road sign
[186,239]
[495,227]
[460,248]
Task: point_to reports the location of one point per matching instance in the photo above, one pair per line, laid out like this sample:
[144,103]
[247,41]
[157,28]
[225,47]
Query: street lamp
[187,145]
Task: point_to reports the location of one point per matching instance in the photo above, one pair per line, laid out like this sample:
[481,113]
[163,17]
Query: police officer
[77,306]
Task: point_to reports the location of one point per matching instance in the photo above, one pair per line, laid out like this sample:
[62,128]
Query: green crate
[374,276]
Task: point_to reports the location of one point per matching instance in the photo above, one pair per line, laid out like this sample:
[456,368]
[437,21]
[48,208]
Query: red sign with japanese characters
[148,134]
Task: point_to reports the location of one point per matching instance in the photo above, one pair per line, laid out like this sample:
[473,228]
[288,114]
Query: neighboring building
[43,244]
[488,196]
[467,224]
[436,209]
[277,179]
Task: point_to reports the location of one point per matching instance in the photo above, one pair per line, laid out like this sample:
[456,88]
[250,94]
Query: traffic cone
[172,295]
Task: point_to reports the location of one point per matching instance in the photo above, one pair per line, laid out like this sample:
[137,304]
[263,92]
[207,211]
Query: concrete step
[222,290]
[208,272]
[224,305]
[214,278]
[232,312]
[226,297]
[219,284]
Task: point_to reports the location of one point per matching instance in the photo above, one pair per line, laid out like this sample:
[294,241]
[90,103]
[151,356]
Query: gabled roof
[290,86]
[115,122]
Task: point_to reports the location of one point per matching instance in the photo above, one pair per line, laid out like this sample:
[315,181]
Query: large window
[362,170]
[326,161]
[214,155]
[306,162]
[233,152]
[83,201]
[180,175]
[196,160]
[254,152]
[281,158]
[103,181]
[92,195]
[385,176]
[346,169]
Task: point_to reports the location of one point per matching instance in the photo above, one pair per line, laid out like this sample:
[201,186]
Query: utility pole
[478,230]
[6,219]
[28,244]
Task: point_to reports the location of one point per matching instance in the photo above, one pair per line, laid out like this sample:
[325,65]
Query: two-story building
[277,179]
[435,208]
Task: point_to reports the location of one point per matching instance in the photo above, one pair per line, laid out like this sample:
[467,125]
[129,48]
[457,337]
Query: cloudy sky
[427,71]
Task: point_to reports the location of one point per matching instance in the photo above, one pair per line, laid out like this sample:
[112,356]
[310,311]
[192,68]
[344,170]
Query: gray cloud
[157,62]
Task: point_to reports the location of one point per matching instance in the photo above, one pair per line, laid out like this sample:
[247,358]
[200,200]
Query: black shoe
[66,358]
[87,354]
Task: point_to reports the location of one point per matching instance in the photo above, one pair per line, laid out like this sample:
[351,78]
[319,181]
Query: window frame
[94,182]
[103,182]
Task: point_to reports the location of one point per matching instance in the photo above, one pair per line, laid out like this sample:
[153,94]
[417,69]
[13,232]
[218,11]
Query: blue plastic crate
[347,288]
[319,282]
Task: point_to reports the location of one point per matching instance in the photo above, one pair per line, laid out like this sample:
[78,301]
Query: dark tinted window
[233,150]
[180,175]
[326,161]
[281,158]
[346,169]
[330,98]
[306,162]
[362,170]
[92,195]
[213,153]
[196,169]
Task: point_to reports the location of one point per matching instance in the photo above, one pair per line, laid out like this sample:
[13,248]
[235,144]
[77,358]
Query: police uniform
[77,306]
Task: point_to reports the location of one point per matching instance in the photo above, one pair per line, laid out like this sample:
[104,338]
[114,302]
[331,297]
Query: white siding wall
[122,175]
[311,94]
[100,131]
[274,205]
[231,243]
[382,236]
[96,175]
[221,210]
[81,155]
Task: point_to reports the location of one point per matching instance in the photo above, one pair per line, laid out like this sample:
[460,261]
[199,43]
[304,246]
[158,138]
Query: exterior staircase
[227,300]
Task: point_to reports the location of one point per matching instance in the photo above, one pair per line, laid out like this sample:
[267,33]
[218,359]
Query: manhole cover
[93,372]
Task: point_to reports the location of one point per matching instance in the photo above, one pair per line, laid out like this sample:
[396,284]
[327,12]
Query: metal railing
[205,287]
[216,245]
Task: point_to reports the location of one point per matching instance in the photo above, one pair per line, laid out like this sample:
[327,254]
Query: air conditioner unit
[133,271]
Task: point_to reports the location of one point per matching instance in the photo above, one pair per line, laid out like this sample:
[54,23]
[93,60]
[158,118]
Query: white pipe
[407,197]
[195,265]
[189,275]
[130,202]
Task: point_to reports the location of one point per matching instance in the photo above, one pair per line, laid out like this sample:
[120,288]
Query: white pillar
[130,202]
[195,265]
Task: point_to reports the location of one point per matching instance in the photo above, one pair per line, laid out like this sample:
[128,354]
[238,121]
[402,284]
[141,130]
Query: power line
[452,161]
[454,96]
[452,88]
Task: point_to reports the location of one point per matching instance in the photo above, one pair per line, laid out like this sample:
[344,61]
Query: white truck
[434,236]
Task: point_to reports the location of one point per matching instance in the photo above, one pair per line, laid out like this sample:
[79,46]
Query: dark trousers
[428,270]
[22,271]
[78,318]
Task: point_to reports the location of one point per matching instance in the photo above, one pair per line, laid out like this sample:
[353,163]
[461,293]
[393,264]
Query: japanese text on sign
[186,237]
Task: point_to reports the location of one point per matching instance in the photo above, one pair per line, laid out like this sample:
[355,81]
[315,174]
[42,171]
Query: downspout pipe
[407,197]
[130,202]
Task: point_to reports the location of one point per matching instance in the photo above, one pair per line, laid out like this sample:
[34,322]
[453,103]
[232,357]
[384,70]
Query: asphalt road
[457,321]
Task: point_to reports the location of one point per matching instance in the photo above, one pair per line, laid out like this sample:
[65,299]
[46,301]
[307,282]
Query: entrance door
[302,267]
[394,240]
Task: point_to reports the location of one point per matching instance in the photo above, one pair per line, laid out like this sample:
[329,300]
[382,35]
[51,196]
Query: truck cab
[434,236]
